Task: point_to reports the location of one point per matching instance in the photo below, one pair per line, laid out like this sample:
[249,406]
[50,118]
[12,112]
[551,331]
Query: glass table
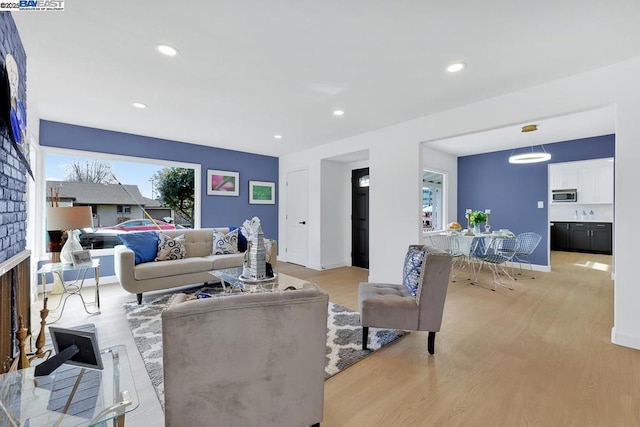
[70,396]
[232,283]
[73,287]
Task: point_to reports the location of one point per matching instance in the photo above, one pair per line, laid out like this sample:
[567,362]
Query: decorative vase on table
[72,245]
[477,228]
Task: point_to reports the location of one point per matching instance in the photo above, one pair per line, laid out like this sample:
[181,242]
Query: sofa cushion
[177,267]
[226,261]
[412,266]
[170,248]
[144,245]
[225,243]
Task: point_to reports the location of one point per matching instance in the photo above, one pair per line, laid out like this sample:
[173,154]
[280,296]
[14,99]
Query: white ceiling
[556,129]
[250,69]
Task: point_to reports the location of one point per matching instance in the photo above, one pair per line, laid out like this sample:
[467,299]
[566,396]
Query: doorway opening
[360,217]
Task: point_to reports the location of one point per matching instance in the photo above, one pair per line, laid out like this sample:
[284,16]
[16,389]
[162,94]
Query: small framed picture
[222,183]
[81,258]
[262,193]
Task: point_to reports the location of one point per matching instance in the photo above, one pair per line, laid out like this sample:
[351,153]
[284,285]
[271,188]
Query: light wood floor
[539,355]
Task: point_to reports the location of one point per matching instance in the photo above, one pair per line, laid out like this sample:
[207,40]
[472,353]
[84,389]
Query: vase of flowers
[477,219]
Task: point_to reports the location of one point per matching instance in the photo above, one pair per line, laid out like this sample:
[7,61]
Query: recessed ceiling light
[167,50]
[338,113]
[277,136]
[454,68]
[139,105]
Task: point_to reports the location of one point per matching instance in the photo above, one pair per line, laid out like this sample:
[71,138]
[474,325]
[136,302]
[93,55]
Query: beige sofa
[194,268]
[257,361]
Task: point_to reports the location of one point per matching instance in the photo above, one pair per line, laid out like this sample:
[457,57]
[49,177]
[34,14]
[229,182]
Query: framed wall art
[262,193]
[222,183]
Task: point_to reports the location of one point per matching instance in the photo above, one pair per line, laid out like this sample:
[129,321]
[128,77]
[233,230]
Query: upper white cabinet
[564,178]
[595,185]
[592,178]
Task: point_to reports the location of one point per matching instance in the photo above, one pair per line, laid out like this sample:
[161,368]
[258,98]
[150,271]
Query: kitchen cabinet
[595,185]
[601,238]
[593,180]
[592,237]
[562,178]
[560,236]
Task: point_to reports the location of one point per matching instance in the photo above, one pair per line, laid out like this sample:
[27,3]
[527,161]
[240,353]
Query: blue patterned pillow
[144,244]
[412,266]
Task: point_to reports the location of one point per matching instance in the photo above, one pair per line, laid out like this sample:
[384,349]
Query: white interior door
[297,211]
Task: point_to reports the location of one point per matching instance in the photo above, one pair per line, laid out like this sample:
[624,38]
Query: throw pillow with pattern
[225,243]
[412,267]
[170,248]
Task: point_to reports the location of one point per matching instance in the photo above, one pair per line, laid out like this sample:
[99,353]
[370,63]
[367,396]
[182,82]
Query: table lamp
[68,219]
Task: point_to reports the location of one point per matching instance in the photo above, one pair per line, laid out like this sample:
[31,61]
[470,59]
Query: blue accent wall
[216,211]
[512,191]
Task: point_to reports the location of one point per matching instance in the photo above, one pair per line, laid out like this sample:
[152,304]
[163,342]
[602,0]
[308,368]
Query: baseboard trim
[631,341]
[335,265]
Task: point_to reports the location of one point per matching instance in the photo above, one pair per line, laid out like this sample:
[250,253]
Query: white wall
[396,163]
[335,208]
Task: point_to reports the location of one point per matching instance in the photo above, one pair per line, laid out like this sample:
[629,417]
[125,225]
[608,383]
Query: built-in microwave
[570,195]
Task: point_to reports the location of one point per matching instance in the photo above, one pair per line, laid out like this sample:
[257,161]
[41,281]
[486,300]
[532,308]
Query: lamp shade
[69,218]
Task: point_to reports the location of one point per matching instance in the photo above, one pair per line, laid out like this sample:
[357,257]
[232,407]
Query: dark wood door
[360,218]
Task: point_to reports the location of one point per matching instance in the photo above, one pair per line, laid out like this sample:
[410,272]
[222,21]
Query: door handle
[302,222]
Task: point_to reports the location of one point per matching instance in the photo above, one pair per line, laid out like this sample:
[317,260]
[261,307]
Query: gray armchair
[247,360]
[417,308]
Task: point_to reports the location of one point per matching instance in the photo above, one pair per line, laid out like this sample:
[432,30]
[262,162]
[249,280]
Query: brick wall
[13,175]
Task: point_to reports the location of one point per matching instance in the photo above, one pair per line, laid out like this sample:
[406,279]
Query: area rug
[344,338]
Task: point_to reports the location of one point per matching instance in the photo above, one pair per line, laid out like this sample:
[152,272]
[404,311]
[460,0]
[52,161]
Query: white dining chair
[450,245]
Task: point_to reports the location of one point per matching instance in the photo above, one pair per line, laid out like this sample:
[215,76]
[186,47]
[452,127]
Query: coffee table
[70,396]
[231,282]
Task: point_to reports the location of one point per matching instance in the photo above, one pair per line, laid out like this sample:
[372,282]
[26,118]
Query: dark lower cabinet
[601,238]
[560,236]
[594,237]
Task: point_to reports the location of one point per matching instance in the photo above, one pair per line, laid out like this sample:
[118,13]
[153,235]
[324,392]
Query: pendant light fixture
[532,156]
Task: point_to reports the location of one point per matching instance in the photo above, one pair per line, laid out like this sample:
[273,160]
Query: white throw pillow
[170,248]
[225,243]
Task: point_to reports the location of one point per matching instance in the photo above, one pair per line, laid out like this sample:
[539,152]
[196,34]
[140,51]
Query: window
[124,209]
[432,201]
[130,187]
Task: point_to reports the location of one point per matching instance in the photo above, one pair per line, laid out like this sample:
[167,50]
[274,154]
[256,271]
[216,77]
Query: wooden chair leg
[431,342]
[365,337]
